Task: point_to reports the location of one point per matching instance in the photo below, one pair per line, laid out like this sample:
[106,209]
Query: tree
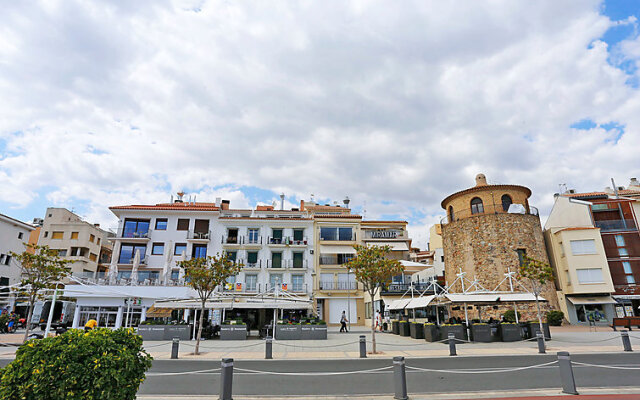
[41,269]
[204,275]
[536,274]
[373,270]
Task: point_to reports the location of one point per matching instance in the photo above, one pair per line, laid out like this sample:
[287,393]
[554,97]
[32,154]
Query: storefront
[627,305]
[597,310]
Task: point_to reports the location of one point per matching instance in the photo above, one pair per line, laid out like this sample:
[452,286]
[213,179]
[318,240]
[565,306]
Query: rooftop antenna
[615,188]
[312,197]
[346,201]
[281,201]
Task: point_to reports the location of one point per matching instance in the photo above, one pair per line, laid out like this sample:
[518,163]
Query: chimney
[301,205]
[281,201]
[634,183]
[224,205]
[217,204]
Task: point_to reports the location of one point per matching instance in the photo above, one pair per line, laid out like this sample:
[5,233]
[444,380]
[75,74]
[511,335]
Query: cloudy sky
[395,104]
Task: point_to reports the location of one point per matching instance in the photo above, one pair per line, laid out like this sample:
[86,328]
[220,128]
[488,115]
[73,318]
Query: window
[232,235]
[135,228]
[157,249]
[626,266]
[231,279]
[232,255]
[298,234]
[161,224]
[276,236]
[521,254]
[92,238]
[252,258]
[275,279]
[619,240]
[20,234]
[476,206]
[623,252]
[298,260]
[581,247]
[336,233]
[74,235]
[62,253]
[297,282]
[251,282]
[7,259]
[506,202]
[631,279]
[276,260]
[179,249]
[253,235]
[199,250]
[128,252]
[93,257]
[57,235]
[451,215]
[344,234]
[183,225]
[46,234]
[175,275]
[590,275]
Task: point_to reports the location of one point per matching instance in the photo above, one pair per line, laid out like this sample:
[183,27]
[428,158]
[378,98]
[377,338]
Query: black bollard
[174,348]
[566,373]
[268,349]
[363,346]
[399,378]
[452,345]
[226,379]
[626,342]
[541,349]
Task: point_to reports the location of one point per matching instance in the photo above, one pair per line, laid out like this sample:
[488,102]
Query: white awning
[627,297]
[491,297]
[591,300]
[227,304]
[519,297]
[406,263]
[420,302]
[324,249]
[399,304]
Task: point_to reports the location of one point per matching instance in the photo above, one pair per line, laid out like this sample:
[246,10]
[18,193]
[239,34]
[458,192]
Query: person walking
[343,322]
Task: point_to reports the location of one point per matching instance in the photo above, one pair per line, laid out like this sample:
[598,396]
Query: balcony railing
[143,261]
[616,225]
[199,235]
[399,288]
[335,259]
[486,209]
[329,285]
[231,239]
[131,234]
[264,288]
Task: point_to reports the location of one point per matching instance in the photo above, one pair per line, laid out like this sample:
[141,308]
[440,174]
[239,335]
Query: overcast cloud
[396,104]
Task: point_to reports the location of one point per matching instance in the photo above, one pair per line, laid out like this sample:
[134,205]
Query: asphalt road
[381,382]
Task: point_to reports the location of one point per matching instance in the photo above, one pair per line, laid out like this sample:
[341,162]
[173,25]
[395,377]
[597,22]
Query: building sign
[133,301]
[284,287]
[238,287]
[380,234]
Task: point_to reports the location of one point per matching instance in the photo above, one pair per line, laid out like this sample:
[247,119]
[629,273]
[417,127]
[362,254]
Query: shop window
[476,206]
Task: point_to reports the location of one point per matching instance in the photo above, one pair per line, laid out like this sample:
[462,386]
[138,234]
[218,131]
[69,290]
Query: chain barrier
[157,345]
[481,371]
[365,371]
[603,366]
[634,336]
[223,348]
[585,342]
[203,371]
[314,347]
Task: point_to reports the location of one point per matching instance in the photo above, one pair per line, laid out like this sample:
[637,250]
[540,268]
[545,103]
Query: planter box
[233,332]
[431,333]
[416,330]
[510,332]
[288,332]
[458,330]
[526,332]
[313,332]
[404,329]
[534,328]
[395,327]
[165,332]
[481,333]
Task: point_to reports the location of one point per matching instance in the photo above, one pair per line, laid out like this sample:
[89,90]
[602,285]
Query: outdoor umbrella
[134,268]
[167,266]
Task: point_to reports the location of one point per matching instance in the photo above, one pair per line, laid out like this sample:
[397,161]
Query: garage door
[337,306]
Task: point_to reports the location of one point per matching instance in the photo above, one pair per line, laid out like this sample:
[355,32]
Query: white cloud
[127,102]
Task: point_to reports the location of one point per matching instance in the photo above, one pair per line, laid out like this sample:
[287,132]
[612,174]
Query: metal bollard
[541,349]
[566,373]
[268,349]
[626,342]
[226,379]
[452,345]
[363,346]
[174,348]
[399,378]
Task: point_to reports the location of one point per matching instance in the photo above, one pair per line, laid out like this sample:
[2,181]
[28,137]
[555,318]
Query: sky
[395,104]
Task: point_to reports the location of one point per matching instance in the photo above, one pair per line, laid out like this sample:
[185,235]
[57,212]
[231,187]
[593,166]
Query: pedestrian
[90,325]
[343,322]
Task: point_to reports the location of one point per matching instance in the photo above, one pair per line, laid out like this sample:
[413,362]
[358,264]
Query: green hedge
[555,317]
[100,364]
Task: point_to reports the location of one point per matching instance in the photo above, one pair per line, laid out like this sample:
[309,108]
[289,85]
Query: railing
[199,235]
[130,234]
[339,238]
[403,287]
[143,261]
[287,240]
[329,285]
[485,209]
[335,259]
[616,225]
[265,288]
[251,240]
[231,239]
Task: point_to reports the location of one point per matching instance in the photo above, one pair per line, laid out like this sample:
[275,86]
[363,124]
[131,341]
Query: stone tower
[486,231]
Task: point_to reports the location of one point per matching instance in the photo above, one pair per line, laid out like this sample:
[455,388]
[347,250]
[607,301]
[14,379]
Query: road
[381,382]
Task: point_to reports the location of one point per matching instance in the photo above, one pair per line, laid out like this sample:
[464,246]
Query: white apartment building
[13,235]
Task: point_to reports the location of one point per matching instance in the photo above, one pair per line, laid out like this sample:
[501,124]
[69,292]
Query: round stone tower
[488,228]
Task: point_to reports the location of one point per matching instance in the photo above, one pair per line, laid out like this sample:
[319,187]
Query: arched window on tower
[451,216]
[476,206]
[506,202]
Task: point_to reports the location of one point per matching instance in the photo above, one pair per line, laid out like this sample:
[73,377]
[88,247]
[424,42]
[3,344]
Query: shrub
[100,364]
[4,319]
[510,316]
[555,317]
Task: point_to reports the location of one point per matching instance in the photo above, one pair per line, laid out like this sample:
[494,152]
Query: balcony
[143,261]
[329,285]
[199,236]
[400,288]
[132,234]
[337,259]
[264,288]
[231,240]
[609,225]
[251,241]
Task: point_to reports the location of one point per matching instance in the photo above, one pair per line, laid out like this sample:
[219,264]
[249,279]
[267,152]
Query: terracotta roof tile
[169,207]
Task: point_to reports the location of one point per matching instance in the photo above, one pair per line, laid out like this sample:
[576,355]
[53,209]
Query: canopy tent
[577,301]
[420,302]
[475,298]
[229,304]
[399,304]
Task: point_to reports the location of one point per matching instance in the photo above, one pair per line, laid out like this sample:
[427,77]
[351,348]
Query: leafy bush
[554,318]
[4,318]
[100,364]
[510,316]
